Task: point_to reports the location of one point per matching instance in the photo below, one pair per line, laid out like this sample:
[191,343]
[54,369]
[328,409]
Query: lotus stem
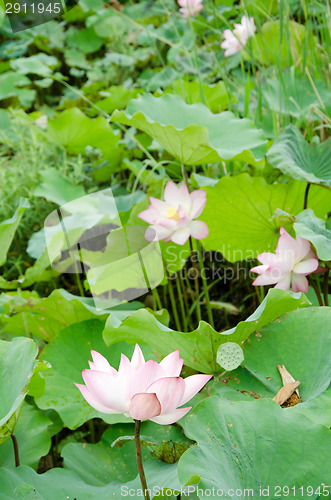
[139,459]
[205,288]
[326,288]
[196,280]
[172,300]
[16,451]
[316,290]
[305,204]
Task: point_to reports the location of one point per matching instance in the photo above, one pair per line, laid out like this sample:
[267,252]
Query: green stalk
[326,288]
[316,290]
[16,451]
[205,288]
[157,300]
[196,62]
[173,302]
[181,304]
[305,204]
[139,459]
[196,281]
[183,289]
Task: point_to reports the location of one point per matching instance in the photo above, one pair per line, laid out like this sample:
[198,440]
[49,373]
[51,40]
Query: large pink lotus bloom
[190,7]
[235,40]
[142,390]
[173,219]
[291,263]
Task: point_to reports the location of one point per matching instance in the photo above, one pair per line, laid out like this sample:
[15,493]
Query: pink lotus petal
[150,215]
[198,202]
[169,391]
[184,197]
[144,377]
[306,266]
[231,44]
[265,280]
[280,267]
[172,417]
[144,406]
[160,206]
[169,224]
[184,216]
[137,359]
[157,233]
[260,269]
[193,384]
[93,401]
[303,247]
[284,283]
[171,194]
[125,374]
[101,364]
[172,364]
[299,283]
[181,236]
[199,229]
[267,258]
[106,389]
[287,245]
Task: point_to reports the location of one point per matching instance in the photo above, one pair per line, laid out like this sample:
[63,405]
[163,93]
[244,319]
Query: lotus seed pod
[229,356]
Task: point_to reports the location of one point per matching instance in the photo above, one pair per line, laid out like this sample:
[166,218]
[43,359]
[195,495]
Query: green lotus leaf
[249,446]
[61,484]
[32,436]
[244,225]
[191,132]
[17,362]
[301,341]
[216,96]
[74,131]
[300,160]
[8,229]
[57,188]
[116,451]
[196,347]
[312,228]
[11,84]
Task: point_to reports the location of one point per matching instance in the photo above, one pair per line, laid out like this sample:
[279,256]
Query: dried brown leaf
[286,392]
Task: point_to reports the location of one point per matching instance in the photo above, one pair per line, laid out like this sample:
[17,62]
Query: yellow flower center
[172,213]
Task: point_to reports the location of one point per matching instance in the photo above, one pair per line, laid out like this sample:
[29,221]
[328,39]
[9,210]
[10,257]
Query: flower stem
[16,452]
[205,288]
[316,290]
[326,288]
[139,459]
[305,204]
[196,280]
[196,61]
[172,301]
[181,304]
[156,298]
[184,174]
[91,430]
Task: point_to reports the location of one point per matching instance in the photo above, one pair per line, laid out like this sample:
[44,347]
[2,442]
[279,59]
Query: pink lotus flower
[173,219]
[235,40]
[291,262]
[190,7]
[142,390]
